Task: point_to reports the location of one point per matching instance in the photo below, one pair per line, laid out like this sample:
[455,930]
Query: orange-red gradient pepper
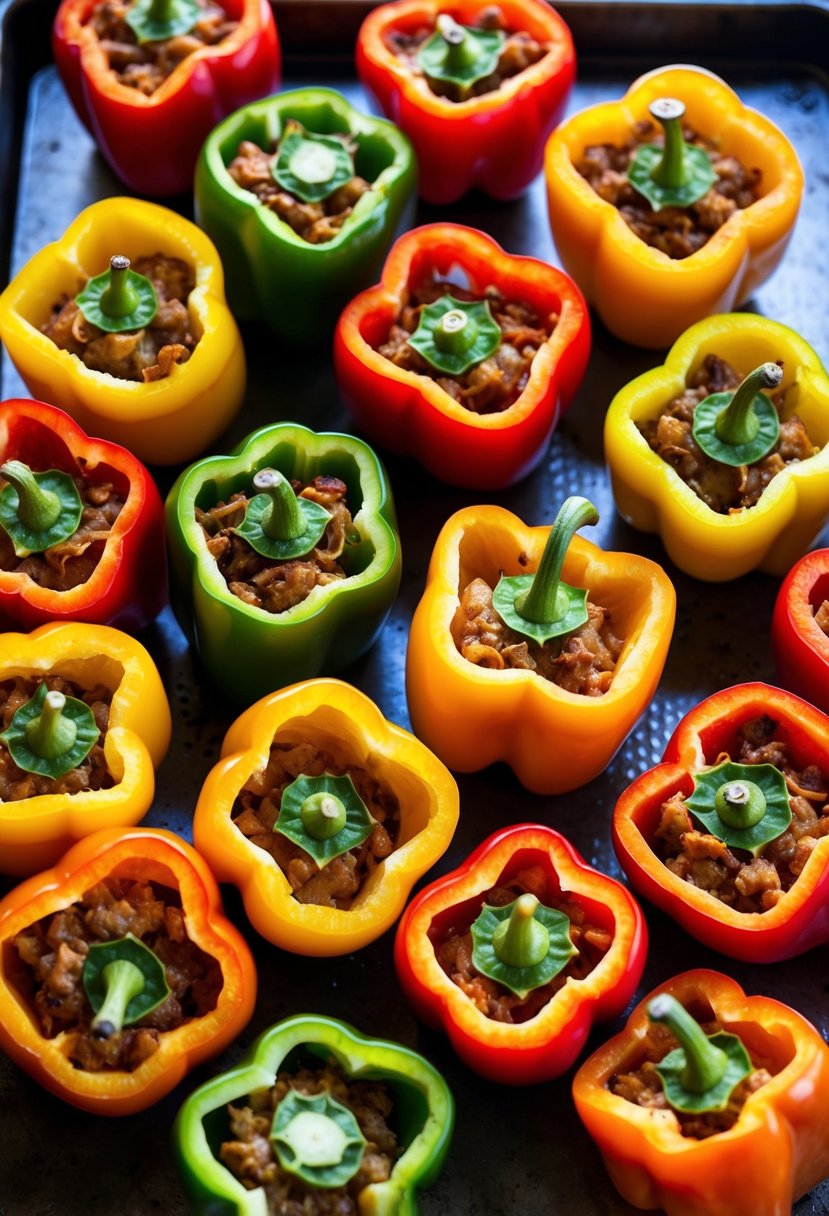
[799,643]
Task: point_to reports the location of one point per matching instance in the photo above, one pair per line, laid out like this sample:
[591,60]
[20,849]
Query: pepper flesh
[801,648]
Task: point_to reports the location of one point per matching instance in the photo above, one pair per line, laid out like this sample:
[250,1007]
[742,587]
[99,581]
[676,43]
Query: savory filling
[453,949]
[723,488]
[54,951]
[822,617]
[746,883]
[676,231]
[256,810]
[144,354]
[498,381]
[262,581]
[251,1159]
[145,66]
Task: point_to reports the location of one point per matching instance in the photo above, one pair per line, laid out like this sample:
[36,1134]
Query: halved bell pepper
[547,1044]
[140,854]
[801,648]
[164,422]
[642,295]
[776,1150]
[246,650]
[35,831]
[424,1114]
[495,140]
[798,921]
[411,413]
[151,142]
[470,716]
[332,716]
[273,273]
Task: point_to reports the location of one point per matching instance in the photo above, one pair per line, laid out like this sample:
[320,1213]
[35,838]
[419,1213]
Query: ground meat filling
[822,617]
[498,381]
[743,882]
[520,51]
[145,66]
[721,487]
[251,1159]
[676,231]
[143,354]
[54,951]
[453,949]
[92,774]
[278,586]
[338,883]
[316,223]
[582,662]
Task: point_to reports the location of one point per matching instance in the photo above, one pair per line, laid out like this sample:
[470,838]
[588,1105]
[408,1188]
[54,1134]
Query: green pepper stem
[455,332]
[283,519]
[162,11]
[738,422]
[705,1064]
[461,51]
[521,940]
[546,601]
[37,509]
[119,299]
[670,171]
[740,804]
[323,815]
[123,981]
[50,734]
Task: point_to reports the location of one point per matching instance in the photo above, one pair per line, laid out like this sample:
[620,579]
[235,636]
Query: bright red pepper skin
[494,141]
[800,647]
[152,142]
[411,414]
[128,587]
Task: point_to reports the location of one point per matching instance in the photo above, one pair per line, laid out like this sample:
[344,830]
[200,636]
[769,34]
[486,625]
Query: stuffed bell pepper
[800,629]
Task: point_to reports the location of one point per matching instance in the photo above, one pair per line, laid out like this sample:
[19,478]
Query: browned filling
[520,51]
[144,66]
[92,774]
[256,810]
[143,354]
[746,883]
[822,617]
[251,1159]
[54,950]
[261,581]
[497,382]
[676,231]
[453,949]
[721,487]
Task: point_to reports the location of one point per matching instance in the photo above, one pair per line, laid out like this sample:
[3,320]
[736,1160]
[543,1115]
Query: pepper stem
[283,519]
[546,601]
[50,734]
[738,422]
[455,332]
[162,11]
[120,299]
[740,804]
[461,51]
[705,1064]
[670,170]
[122,981]
[37,509]
[521,940]
[323,815]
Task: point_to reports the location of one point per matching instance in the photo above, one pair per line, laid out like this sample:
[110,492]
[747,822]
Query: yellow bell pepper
[35,832]
[641,294]
[167,421]
[652,496]
[336,717]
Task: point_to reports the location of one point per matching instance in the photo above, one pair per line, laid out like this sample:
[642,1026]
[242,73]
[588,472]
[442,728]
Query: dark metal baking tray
[515,1150]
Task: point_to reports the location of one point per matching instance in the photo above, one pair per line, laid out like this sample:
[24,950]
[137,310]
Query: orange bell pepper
[641,294]
[149,855]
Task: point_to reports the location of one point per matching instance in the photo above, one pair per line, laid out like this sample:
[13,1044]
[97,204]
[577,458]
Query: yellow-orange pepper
[641,294]
[337,718]
[166,421]
[34,832]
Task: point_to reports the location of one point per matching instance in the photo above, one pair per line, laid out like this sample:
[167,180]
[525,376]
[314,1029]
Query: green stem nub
[705,1064]
[670,171]
[673,173]
[122,981]
[742,427]
[283,519]
[158,20]
[38,509]
[162,11]
[740,804]
[51,734]
[548,600]
[738,423]
[120,299]
[461,51]
[455,332]
[522,941]
[323,815]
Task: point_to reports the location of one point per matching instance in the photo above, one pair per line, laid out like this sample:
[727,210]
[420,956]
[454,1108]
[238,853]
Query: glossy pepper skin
[163,422]
[776,1151]
[552,739]
[800,920]
[423,1104]
[35,831]
[494,141]
[273,274]
[143,854]
[151,142]
[410,413]
[547,1044]
[652,496]
[246,650]
[801,648]
[643,296]
[333,716]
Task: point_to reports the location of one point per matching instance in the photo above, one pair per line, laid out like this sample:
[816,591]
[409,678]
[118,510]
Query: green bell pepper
[424,1114]
[273,274]
[246,650]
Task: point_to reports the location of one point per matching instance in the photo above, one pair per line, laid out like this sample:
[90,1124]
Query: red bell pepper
[128,586]
[801,648]
[800,918]
[410,413]
[546,1044]
[152,142]
[494,140]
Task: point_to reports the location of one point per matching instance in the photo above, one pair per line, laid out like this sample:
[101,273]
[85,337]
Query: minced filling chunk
[822,617]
